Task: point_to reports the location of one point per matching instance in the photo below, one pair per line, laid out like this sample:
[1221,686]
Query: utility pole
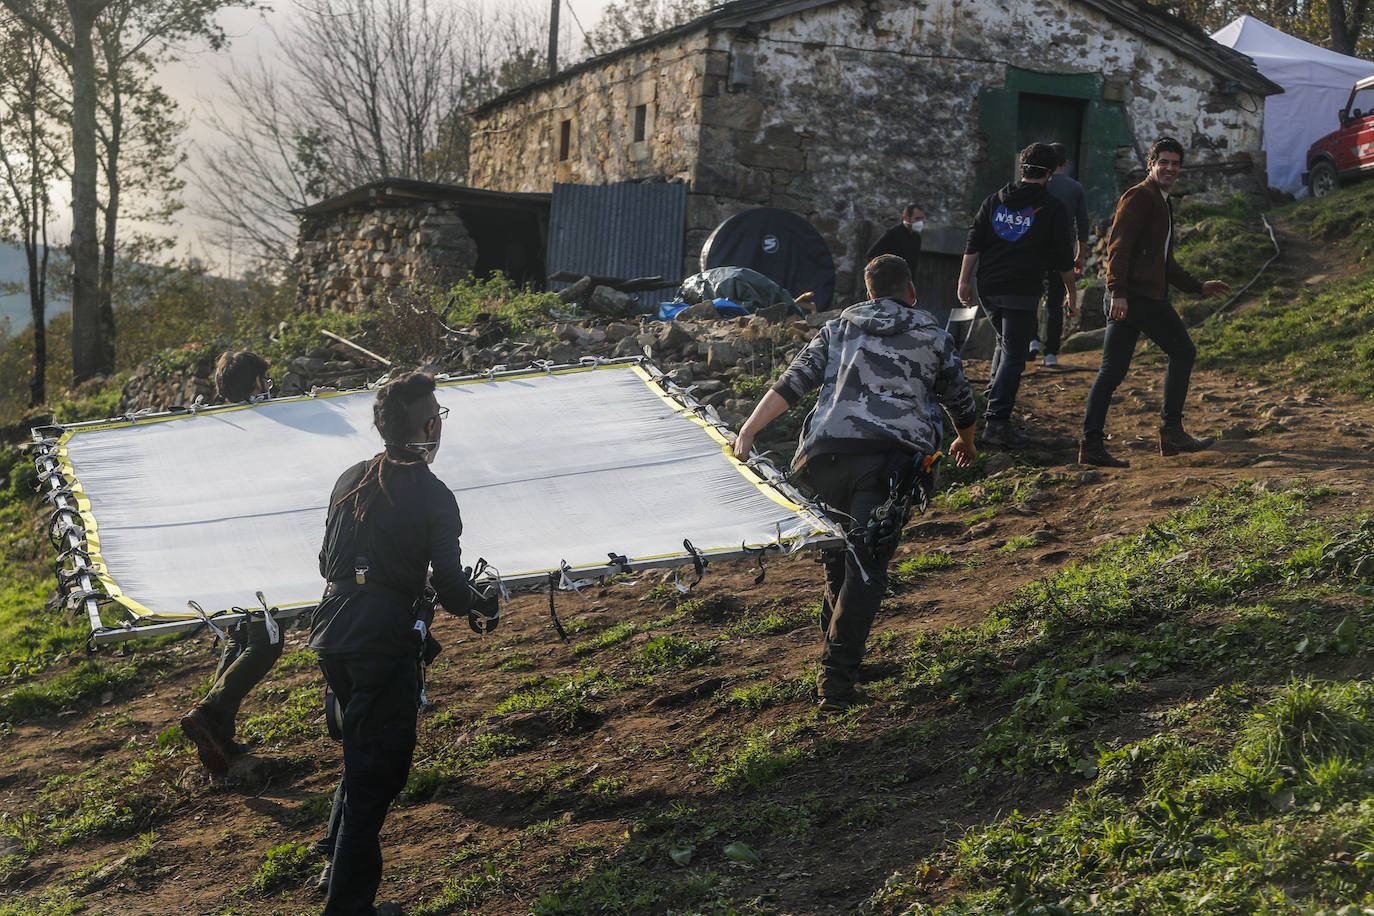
[553,36]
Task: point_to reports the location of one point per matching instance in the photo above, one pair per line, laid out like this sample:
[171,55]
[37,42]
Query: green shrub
[286,865]
[671,653]
[496,297]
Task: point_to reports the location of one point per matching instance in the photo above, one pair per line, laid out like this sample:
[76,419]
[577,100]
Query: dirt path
[209,847]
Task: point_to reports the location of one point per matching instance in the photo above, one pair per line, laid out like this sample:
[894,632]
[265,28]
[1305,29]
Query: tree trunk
[112,189]
[38,307]
[1346,24]
[92,338]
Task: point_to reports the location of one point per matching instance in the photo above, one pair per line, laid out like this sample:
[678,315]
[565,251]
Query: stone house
[841,110]
[403,232]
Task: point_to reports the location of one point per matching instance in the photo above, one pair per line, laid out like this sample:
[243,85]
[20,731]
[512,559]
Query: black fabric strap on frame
[555,576]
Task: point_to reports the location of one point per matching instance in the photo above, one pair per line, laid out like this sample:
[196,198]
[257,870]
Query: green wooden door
[1050,119]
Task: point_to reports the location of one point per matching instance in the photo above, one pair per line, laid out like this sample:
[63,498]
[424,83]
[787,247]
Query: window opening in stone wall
[564,140]
[641,122]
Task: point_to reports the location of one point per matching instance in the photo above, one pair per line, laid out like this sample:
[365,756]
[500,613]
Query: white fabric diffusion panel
[569,466]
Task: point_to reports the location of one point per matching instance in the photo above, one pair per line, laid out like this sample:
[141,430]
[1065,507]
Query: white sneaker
[1050,360]
[1035,347]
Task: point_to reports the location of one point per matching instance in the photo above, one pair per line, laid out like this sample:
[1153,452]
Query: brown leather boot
[1093,450]
[1172,440]
[203,727]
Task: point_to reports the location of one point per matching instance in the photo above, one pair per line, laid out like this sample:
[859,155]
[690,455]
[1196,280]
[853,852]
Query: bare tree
[30,150]
[361,90]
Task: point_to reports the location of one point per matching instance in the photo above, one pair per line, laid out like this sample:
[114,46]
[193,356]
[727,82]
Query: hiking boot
[1050,361]
[838,703]
[1035,347]
[998,433]
[1172,440]
[322,882]
[203,728]
[1093,450]
[391,909]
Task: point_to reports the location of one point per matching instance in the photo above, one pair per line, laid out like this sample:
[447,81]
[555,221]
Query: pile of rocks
[699,349]
[154,387]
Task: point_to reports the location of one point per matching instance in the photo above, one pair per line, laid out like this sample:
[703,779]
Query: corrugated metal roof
[619,230]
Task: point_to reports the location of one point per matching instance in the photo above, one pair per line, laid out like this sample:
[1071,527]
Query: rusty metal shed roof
[1179,35]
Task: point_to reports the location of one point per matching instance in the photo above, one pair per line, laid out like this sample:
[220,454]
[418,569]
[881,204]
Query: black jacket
[1019,233]
[401,537]
[902,242]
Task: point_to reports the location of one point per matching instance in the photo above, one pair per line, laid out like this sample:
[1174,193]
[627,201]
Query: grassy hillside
[1145,691]
[1310,322]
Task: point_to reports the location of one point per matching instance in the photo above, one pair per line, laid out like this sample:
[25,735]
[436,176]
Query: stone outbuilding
[403,232]
[842,110]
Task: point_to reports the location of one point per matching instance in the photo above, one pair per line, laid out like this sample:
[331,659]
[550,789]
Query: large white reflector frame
[571,471]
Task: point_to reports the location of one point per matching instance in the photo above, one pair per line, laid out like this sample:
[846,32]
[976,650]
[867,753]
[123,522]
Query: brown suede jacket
[1137,262]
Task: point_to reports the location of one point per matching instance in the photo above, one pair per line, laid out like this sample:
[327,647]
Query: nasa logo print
[770,244]
[1012,224]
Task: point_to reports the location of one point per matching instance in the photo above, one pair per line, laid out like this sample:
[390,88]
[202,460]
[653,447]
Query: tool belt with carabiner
[911,482]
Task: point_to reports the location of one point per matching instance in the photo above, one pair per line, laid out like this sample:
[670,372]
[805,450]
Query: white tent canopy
[570,466]
[1316,83]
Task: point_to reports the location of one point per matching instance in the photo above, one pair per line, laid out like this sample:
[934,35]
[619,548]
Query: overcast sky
[195,83]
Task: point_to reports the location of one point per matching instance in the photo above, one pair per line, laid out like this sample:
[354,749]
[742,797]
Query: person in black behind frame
[390,522]
[252,648]
[903,239]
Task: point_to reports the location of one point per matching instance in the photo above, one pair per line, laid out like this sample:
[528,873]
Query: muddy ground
[217,833]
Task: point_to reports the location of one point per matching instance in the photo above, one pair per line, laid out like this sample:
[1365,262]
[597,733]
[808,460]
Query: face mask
[916,225]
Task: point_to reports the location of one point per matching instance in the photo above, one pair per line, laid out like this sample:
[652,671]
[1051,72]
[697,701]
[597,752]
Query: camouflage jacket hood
[884,370]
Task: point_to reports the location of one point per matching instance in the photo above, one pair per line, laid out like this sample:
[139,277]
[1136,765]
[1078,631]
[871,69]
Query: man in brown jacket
[1140,269]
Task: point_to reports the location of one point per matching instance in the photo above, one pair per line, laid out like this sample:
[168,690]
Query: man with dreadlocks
[390,522]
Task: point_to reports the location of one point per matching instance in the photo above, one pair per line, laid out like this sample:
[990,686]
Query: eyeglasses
[441,415]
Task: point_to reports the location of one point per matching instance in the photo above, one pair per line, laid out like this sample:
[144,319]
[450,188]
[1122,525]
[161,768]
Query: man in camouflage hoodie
[884,369]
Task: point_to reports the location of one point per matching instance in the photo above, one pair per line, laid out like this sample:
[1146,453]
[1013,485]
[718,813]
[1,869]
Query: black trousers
[1014,319]
[381,697]
[853,485]
[1157,320]
[1052,322]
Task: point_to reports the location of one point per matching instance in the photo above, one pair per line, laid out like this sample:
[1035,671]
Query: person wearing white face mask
[391,525]
[903,239]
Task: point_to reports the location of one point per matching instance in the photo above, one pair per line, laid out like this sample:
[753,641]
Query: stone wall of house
[346,257]
[846,110]
[521,145]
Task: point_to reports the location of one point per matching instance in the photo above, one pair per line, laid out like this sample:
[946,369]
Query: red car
[1345,154]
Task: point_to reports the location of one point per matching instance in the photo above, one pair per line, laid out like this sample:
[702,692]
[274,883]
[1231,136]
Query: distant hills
[14,307]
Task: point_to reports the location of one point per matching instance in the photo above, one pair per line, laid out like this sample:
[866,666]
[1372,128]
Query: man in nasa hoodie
[1018,234]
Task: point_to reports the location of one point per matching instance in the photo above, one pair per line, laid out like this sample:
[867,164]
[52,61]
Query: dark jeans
[1052,323]
[380,696]
[1014,319]
[853,485]
[1157,320]
[249,657]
